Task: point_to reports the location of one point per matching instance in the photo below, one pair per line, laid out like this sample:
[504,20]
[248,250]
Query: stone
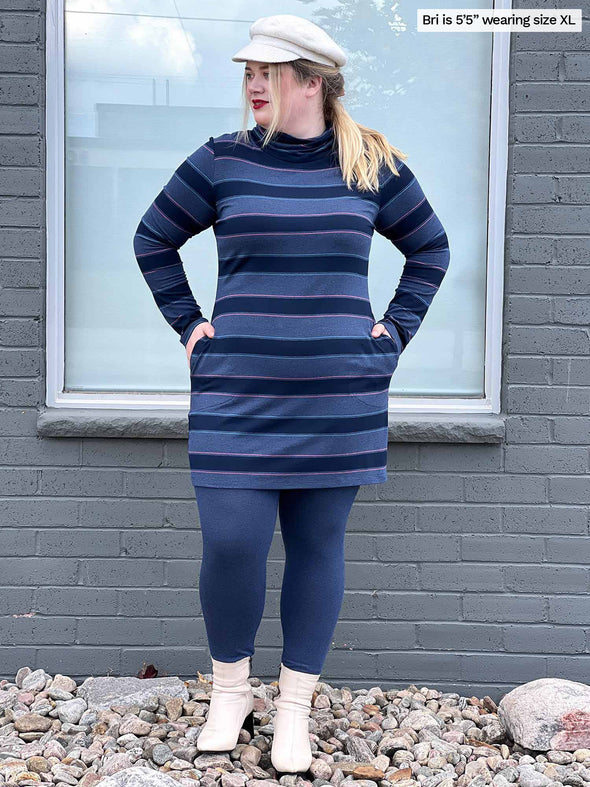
[63,683]
[174,708]
[101,693]
[138,777]
[134,725]
[32,722]
[114,763]
[368,772]
[71,710]
[38,764]
[35,681]
[548,713]
[529,776]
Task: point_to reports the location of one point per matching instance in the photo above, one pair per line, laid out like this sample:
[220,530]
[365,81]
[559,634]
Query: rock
[62,775]
[71,710]
[233,780]
[35,681]
[134,725]
[250,754]
[360,749]
[400,775]
[161,753]
[138,777]
[368,772]
[419,719]
[63,683]
[477,768]
[213,760]
[9,769]
[187,753]
[174,708]
[255,771]
[38,765]
[101,693]
[381,762]
[27,777]
[115,763]
[90,779]
[32,722]
[528,776]
[59,694]
[54,749]
[548,713]
[178,764]
[21,675]
[320,769]
[493,732]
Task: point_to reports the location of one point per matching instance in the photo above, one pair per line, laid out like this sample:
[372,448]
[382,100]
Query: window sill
[403,427]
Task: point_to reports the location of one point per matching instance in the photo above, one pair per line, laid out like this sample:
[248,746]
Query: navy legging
[237,527]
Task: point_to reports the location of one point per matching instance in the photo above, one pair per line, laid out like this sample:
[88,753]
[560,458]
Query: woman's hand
[202,329]
[377,330]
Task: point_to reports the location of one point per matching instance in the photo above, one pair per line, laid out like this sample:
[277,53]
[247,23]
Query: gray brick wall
[466,572]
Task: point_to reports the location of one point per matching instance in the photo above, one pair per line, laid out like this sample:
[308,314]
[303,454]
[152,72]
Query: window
[133,88]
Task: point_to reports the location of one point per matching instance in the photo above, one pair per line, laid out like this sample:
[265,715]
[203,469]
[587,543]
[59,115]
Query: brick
[545,579]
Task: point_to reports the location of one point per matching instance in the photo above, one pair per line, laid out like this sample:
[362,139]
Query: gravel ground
[414,737]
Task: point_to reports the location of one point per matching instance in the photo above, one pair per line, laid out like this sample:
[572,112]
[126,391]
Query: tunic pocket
[389,338]
[203,394]
[384,363]
[197,347]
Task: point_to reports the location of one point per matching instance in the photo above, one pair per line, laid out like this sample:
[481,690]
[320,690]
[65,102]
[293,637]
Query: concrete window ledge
[403,427]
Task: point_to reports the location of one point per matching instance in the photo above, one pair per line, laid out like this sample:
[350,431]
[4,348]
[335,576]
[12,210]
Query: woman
[290,379]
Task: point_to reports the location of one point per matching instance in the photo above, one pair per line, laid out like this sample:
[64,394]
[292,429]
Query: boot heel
[248,724]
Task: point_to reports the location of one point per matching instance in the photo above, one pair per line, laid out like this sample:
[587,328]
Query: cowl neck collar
[293,148]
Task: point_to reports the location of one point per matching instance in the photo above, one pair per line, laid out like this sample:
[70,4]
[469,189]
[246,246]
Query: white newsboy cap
[284,37]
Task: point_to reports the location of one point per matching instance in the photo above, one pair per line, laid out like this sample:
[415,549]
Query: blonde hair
[361,150]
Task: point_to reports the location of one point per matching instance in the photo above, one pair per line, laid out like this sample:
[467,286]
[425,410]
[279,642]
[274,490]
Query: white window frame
[55,246]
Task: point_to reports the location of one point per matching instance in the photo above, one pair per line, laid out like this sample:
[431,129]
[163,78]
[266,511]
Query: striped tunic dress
[292,390]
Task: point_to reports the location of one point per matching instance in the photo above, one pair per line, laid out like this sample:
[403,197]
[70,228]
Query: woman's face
[295,98]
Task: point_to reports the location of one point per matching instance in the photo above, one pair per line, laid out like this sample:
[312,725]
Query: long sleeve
[407,219]
[184,207]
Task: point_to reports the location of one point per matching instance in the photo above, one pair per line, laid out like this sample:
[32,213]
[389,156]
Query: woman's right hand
[202,329]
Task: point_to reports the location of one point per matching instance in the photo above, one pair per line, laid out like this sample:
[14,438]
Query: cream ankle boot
[291,747]
[231,708]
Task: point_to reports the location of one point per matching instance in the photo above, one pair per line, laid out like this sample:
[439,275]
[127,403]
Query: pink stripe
[403,216]
[282,234]
[293,316]
[174,224]
[303,396]
[419,227]
[291,297]
[148,253]
[294,215]
[422,281]
[178,205]
[413,209]
[416,229]
[426,264]
[163,268]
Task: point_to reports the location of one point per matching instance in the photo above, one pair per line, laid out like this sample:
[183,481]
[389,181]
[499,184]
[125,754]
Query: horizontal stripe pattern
[184,208]
[407,219]
[292,390]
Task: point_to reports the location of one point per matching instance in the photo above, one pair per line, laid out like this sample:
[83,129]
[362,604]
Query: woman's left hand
[378,329]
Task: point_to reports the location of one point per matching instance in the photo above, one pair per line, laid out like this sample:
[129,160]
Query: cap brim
[263,53]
